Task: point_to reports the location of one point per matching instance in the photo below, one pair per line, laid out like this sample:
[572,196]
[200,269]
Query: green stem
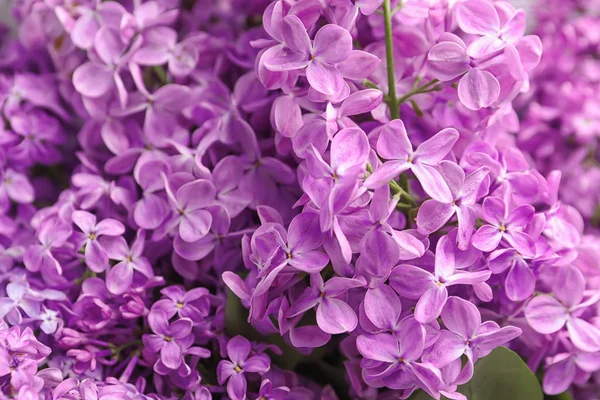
[418,90]
[389,55]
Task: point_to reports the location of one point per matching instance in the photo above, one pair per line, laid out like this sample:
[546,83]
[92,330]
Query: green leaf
[502,375]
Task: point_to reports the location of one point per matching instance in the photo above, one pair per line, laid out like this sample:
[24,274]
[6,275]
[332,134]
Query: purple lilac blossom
[198,199]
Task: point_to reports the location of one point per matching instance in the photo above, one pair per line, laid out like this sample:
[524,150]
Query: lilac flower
[19,299]
[397,357]
[38,135]
[383,308]
[548,314]
[431,289]
[334,316]
[349,152]
[96,78]
[171,340]
[120,277]
[268,392]
[332,45]
[465,192]
[16,187]
[193,304]
[477,88]
[393,145]
[564,368]
[466,335]
[480,17]
[161,47]
[52,234]
[189,198]
[95,256]
[383,246]
[520,279]
[232,372]
[504,226]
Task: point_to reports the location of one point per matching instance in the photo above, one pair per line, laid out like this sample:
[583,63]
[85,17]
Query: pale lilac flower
[397,357]
[480,17]
[431,289]
[332,45]
[394,145]
[189,198]
[170,340]
[564,368]
[547,314]
[465,191]
[334,316]
[466,335]
[505,225]
[121,276]
[448,60]
[232,372]
[95,256]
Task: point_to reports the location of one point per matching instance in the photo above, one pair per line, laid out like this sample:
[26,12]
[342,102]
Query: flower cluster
[232,198]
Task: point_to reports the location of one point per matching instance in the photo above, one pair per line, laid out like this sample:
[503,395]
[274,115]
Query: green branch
[392,100]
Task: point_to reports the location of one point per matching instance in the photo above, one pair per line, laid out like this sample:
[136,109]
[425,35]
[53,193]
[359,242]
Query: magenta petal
[170,355]
[478,89]
[559,376]
[382,307]
[478,17]
[433,150]
[95,257]
[410,281]
[194,251]
[430,305]
[324,77]
[584,335]
[570,286]
[92,80]
[238,349]
[411,338]
[545,314]
[433,183]
[281,59]
[333,44]
[361,102]
[382,347]
[461,317]
[393,142]
[236,387]
[499,337]
[520,282]
[335,317]
[310,336]
[84,30]
[359,65]
[446,349]
[389,170]
[194,225]
[433,215]
[310,261]
[259,363]
[119,278]
[295,35]
[466,223]
[150,211]
[487,238]
[484,46]
[447,60]
[349,149]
